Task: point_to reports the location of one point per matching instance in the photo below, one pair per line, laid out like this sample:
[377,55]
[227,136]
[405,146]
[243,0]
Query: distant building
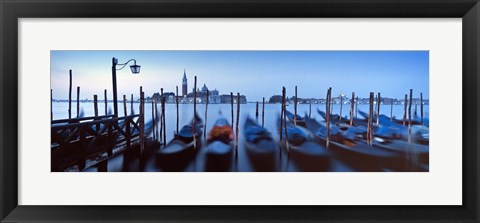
[226,99]
[184,84]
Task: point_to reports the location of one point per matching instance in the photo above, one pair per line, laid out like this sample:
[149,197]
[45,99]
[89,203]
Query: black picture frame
[11,11]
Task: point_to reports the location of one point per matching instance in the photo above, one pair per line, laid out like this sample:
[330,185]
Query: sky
[255,74]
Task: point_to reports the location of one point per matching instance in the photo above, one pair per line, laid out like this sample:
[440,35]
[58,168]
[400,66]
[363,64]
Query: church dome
[204,88]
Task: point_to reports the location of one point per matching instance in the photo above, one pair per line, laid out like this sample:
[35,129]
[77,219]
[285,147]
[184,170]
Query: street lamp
[135,70]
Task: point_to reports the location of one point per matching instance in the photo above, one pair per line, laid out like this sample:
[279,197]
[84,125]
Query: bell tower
[184,84]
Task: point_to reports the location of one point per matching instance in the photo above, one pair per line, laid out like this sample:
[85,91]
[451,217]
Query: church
[213,96]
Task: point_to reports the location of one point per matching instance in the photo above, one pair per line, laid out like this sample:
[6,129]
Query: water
[272,112]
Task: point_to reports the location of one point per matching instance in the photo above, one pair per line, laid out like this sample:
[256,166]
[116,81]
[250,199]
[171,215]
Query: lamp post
[135,70]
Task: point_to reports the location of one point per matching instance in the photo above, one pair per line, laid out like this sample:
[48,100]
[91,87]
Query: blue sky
[255,74]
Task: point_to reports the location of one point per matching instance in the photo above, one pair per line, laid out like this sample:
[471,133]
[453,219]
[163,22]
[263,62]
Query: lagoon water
[272,112]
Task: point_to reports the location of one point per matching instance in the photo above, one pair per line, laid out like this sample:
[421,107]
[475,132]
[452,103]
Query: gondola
[335,119]
[304,151]
[182,149]
[219,147]
[260,146]
[394,137]
[356,153]
[300,119]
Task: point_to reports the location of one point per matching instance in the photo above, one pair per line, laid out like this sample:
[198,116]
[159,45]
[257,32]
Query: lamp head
[135,69]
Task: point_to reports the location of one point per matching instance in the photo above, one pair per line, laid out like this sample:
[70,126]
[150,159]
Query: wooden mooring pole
[341,107]
[132,112]
[231,103]
[285,120]
[295,108]
[236,126]
[153,118]
[155,100]
[370,120]
[206,114]
[352,103]
[194,113]
[160,137]
[310,109]
[176,101]
[281,123]
[421,108]
[105,100]
[256,112]
[124,105]
[378,108]
[263,111]
[356,108]
[78,101]
[51,104]
[327,109]
[164,122]
[410,115]
[70,96]
[95,108]
[405,102]
[391,110]
[142,122]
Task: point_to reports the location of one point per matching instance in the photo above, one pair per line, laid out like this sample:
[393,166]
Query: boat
[353,151]
[182,149]
[300,119]
[304,151]
[219,147]
[259,146]
[335,119]
[392,136]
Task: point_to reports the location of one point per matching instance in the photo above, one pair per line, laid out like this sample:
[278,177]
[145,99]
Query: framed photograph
[239,111]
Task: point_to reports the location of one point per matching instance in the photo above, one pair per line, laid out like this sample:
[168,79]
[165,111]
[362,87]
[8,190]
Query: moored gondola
[260,146]
[180,152]
[219,147]
[356,153]
[304,151]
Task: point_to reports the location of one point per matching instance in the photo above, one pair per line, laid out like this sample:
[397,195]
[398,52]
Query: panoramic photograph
[239,111]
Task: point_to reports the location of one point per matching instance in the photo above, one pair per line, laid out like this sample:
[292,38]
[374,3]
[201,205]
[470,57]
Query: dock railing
[91,141]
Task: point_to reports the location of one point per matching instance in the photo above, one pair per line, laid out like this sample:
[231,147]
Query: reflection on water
[272,111]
